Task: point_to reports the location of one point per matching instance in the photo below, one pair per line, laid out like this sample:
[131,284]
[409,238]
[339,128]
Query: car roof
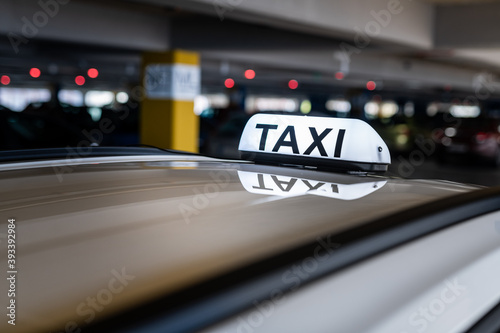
[173,221]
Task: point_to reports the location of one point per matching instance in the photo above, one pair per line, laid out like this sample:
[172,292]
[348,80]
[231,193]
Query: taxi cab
[305,234]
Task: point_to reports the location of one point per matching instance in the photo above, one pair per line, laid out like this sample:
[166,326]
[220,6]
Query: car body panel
[169,223]
[448,285]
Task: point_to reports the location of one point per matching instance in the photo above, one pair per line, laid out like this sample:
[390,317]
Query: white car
[308,236]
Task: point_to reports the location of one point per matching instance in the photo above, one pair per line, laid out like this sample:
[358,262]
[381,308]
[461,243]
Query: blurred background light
[372,109]
[264,103]
[388,109]
[95,113]
[80,80]
[465,111]
[71,97]
[338,105]
[201,103]
[433,108]
[99,98]
[371,85]
[208,102]
[122,97]
[17,99]
[229,83]
[93,73]
[409,109]
[5,80]
[35,72]
[450,132]
[293,84]
[305,106]
[250,74]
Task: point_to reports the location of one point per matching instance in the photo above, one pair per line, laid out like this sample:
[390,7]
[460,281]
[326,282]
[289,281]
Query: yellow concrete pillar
[171,81]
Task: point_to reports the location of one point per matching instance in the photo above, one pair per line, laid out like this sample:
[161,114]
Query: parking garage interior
[424,74]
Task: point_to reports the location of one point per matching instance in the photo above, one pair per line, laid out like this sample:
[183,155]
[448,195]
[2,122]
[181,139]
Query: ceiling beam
[400,22]
[107,23]
[467,26]
[401,72]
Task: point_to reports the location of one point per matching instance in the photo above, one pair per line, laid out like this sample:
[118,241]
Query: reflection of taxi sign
[345,144]
[287,186]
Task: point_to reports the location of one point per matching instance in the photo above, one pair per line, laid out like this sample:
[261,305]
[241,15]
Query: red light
[93,73]
[35,72]
[293,84]
[5,80]
[80,80]
[250,74]
[370,85]
[339,76]
[481,137]
[229,83]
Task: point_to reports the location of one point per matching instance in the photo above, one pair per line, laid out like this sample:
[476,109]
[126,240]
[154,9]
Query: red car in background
[477,138]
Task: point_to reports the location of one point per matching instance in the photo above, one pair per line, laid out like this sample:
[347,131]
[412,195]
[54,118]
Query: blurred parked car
[20,130]
[398,132]
[477,138]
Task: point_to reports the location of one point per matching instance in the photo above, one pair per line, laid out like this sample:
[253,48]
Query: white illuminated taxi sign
[343,144]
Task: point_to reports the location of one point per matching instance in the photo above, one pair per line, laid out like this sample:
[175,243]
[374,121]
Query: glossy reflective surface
[166,224]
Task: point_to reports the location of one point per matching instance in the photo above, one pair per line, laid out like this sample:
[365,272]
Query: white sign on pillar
[178,82]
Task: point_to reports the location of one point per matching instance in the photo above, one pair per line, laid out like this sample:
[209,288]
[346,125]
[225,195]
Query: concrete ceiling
[419,45]
[449,42]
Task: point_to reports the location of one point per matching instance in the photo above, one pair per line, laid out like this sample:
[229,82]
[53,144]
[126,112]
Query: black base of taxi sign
[319,163]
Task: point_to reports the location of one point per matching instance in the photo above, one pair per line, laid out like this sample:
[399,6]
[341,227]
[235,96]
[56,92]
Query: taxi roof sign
[323,142]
